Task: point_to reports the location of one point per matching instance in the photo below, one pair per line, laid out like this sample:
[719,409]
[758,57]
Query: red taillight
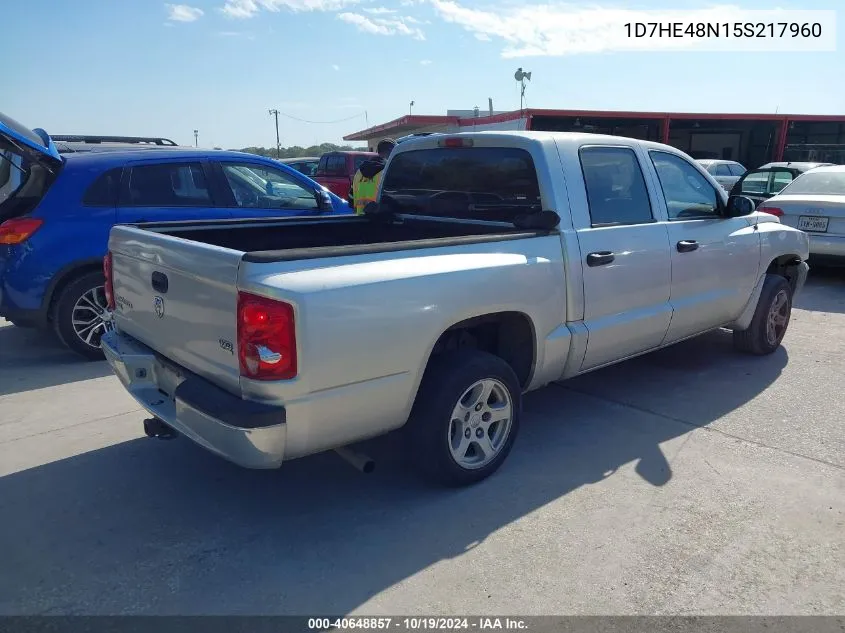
[18,230]
[772,210]
[266,338]
[109,286]
[455,142]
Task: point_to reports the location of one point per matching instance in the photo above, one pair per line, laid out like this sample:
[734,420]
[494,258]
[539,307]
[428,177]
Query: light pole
[275,113]
[411,108]
[196,138]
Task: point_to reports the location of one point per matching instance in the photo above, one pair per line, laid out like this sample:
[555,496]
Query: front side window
[168,185]
[817,183]
[488,183]
[263,187]
[688,194]
[616,189]
[721,169]
[779,180]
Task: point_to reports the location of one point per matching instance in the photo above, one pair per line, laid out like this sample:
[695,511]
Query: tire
[71,305]
[433,426]
[770,320]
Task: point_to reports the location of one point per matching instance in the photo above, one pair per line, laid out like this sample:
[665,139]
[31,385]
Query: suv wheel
[81,316]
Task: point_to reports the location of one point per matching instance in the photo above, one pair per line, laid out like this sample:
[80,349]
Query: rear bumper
[248,433]
[827,245]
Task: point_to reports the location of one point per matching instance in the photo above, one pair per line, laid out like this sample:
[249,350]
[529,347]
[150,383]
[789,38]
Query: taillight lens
[266,338]
[772,210]
[18,230]
[109,287]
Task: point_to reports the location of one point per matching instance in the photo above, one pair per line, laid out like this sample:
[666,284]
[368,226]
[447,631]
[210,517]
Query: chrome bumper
[248,433]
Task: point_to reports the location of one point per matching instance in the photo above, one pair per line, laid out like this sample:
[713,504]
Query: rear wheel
[81,315]
[770,320]
[465,417]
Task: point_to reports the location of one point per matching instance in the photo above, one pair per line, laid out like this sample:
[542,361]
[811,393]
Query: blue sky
[143,67]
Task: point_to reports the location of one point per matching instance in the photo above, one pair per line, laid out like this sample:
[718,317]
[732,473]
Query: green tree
[296,151]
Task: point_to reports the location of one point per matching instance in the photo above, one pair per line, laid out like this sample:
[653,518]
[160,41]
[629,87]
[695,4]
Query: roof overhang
[403,125]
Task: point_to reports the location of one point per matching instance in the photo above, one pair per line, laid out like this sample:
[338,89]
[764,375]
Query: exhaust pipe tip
[359,461]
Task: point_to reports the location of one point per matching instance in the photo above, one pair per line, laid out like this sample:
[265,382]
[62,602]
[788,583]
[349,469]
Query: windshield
[817,183]
[487,183]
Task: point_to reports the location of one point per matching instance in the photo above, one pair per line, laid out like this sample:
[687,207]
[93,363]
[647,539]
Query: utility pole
[411,108]
[275,113]
[196,138]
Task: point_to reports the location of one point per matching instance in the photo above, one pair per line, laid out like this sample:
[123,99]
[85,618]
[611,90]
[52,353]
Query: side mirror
[739,206]
[324,201]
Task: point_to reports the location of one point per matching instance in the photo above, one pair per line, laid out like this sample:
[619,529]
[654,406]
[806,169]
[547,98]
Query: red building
[751,139]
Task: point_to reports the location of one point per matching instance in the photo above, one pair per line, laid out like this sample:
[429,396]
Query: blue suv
[56,212]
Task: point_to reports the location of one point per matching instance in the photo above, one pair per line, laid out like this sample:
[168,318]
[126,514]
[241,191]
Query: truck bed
[295,238]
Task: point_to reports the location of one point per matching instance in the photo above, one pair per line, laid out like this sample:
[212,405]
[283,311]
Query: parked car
[546,255]
[815,202]
[56,212]
[762,183]
[337,169]
[409,137]
[304,165]
[725,172]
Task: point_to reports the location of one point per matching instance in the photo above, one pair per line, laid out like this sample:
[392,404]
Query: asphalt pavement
[690,481]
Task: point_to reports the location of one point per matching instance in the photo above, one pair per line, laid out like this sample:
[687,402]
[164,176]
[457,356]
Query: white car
[725,172]
[815,202]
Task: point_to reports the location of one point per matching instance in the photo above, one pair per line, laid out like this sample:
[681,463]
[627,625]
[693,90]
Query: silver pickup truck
[493,264]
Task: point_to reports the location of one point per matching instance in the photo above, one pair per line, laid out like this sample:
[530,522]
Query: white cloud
[381,26]
[249,8]
[425,62]
[379,10]
[183,13]
[565,29]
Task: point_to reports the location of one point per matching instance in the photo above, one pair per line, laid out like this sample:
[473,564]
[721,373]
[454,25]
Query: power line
[355,116]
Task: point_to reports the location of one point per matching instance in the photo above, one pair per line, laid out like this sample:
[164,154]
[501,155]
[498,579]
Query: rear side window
[490,183]
[360,160]
[721,170]
[757,182]
[736,169]
[336,165]
[103,191]
[616,189]
[168,185]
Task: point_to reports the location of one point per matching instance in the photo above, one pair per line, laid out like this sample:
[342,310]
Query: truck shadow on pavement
[153,527]
[35,359]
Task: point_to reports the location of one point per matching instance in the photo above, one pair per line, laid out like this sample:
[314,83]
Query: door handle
[687,246]
[159,282]
[600,258]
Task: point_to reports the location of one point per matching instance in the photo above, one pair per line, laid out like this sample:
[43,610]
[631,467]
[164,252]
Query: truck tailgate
[179,298]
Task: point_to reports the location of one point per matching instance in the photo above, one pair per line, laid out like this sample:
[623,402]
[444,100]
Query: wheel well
[68,277]
[785,266]
[508,335]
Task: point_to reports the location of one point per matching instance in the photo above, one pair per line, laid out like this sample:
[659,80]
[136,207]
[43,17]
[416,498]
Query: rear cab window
[616,189]
[481,183]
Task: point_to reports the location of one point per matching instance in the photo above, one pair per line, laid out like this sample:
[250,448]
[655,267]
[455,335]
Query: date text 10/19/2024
[418,624]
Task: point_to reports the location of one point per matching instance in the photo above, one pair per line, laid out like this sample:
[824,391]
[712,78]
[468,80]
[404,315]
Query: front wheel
[465,417]
[771,318]
[81,315]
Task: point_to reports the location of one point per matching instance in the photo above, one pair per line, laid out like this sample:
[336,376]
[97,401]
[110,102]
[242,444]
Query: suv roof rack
[150,140]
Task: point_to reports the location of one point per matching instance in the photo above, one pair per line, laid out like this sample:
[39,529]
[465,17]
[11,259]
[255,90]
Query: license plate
[810,223]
